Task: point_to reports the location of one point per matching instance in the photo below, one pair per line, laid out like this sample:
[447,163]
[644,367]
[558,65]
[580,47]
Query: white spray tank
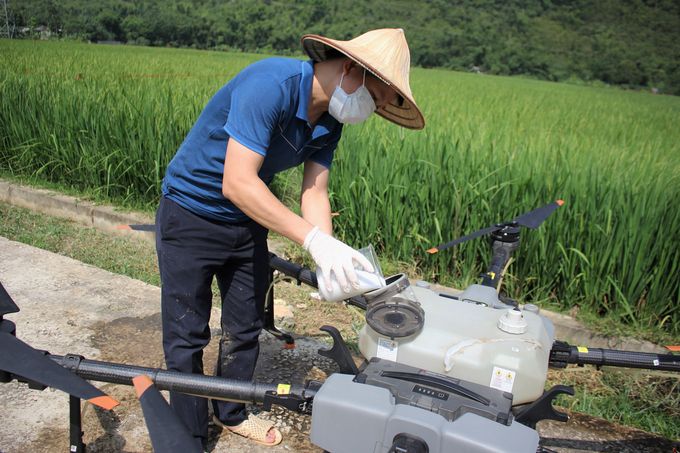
[471,336]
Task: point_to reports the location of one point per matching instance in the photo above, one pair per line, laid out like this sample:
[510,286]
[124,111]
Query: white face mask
[351,108]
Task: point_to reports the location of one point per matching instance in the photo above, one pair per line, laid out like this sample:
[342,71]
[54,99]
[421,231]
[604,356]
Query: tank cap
[395,318]
[393,286]
[513,322]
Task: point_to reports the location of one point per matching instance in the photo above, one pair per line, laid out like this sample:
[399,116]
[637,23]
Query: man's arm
[314,202]
[243,187]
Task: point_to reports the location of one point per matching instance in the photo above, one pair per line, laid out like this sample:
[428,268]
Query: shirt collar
[307,74]
[325,125]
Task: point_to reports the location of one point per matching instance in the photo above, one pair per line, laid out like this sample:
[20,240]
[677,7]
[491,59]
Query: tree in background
[633,43]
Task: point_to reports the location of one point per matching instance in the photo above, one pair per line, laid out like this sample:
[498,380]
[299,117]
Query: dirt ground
[69,307]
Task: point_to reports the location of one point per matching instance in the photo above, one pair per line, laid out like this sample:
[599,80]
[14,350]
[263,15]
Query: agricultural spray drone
[443,372]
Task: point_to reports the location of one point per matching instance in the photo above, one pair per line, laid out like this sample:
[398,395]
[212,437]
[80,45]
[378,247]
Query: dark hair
[332,54]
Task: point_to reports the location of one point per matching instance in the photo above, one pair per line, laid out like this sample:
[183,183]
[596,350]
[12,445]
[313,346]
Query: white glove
[337,257]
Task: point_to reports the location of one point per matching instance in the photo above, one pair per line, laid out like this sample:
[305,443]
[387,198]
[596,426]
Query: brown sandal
[255,429]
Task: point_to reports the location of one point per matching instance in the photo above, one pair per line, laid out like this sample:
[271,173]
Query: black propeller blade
[137,227]
[167,432]
[532,219]
[535,218]
[18,358]
[7,305]
[474,235]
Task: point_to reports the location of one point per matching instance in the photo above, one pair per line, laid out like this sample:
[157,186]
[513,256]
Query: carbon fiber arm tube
[505,242]
[563,353]
[628,359]
[299,273]
[306,276]
[192,384]
[501,255]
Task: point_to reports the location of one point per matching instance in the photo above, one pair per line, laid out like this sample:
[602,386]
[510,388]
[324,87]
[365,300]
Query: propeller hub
[509,233]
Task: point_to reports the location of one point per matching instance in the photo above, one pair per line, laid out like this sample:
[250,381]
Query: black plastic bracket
[291,402]
[339,352]
[269,325]
[508,301]
[33,385]
[560,354]
[75,426]
[542,408]
[503,242]
[72,362]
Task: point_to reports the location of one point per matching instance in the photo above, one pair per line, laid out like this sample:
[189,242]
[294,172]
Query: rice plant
[107,119]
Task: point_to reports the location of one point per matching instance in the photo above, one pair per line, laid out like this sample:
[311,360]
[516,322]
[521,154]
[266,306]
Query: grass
[631,398]
[106,120]
[132,257]
[645,401]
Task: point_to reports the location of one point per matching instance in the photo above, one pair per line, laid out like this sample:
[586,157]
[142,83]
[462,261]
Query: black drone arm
[192,384]
[503,243]
[563,353]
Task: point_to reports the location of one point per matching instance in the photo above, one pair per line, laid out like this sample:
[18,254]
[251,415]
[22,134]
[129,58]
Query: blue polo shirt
[263,108]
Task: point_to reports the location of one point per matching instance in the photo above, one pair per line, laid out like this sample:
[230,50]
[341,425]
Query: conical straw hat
[385,54]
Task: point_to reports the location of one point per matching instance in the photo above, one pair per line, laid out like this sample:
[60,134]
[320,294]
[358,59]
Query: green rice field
[106,120]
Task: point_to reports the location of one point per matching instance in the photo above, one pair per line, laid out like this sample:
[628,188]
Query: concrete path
[70,307]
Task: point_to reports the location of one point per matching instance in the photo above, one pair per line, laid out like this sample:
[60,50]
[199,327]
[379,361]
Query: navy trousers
[193,250]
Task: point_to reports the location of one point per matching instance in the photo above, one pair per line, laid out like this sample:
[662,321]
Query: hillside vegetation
[633,43]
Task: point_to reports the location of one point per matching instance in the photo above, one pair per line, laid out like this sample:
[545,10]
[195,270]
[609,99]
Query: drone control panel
[395,407]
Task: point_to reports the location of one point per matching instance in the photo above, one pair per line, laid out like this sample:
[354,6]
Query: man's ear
[347,66]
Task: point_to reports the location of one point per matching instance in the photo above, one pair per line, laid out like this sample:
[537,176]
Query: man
[216,208]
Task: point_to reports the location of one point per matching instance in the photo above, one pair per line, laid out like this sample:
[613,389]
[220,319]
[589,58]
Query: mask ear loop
[363,84]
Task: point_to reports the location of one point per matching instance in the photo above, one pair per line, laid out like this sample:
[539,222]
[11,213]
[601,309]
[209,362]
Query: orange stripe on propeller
[105,402]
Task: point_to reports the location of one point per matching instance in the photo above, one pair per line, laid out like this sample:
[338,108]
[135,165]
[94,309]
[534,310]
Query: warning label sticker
[502,379]
[387,349]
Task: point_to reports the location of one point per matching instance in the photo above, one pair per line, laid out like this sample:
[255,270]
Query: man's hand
[337,257]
